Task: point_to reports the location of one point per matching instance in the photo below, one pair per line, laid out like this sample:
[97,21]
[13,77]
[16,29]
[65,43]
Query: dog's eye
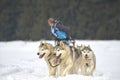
[54,54]
[84,51]
[62,49]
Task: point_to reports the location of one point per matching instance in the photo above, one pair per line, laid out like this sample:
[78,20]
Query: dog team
[63,59]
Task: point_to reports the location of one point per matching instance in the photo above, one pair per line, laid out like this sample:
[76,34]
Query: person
[59,31]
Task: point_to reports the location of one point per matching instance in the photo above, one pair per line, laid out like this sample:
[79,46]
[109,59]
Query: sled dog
[88,61]
[46,51]
[65,59]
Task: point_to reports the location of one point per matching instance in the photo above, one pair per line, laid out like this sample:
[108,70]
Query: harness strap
[52,65]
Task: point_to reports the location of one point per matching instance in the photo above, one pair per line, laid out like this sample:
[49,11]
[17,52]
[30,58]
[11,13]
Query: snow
[19,61]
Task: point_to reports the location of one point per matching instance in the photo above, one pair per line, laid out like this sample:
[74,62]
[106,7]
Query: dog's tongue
[86,57]
[55,60]
[41,55]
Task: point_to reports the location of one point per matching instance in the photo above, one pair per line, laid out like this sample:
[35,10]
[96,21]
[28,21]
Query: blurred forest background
[88,19]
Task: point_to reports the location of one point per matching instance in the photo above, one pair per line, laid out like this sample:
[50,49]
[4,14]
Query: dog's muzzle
[86,56]
[56,60]
[40,55]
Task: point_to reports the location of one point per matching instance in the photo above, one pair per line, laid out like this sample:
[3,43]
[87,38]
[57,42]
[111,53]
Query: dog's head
[44,49]
[58,54]
[59,50]
[86,52]
[80,47]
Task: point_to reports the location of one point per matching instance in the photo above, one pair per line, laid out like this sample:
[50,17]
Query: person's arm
[53,31]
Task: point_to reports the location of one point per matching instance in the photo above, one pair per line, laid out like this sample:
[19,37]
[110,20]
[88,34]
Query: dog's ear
[88,46]
[77,46]
[41,43]
[82,46]
[62,44]
[58,43]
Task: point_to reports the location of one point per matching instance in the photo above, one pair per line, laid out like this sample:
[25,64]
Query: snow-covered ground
[19,61]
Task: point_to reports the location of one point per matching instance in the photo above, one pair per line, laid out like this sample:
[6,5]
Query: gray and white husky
[46,51]
[65,59]
[88,61]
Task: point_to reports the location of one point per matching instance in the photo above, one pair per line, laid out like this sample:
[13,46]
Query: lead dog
[66,59]
[62,59]
[46,51]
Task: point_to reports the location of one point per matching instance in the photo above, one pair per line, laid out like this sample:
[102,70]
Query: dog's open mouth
[41,55]
[86,57]
[55,61]
[56,58]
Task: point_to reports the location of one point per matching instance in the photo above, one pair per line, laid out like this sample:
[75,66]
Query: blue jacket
[57,32]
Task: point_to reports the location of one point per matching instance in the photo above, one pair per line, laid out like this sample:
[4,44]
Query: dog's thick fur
[76,60]
[46,51]
[67,57]
[88,60]
[63,57]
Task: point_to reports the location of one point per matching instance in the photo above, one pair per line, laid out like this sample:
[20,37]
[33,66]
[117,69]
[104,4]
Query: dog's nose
[86,55]
[38,53]
[54,54]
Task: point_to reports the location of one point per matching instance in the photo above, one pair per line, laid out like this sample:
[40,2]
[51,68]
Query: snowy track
[19,61]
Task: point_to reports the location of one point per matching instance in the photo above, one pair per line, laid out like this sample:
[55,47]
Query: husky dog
[76,54]
[66,59]
[46,51]
[88,61]
[62,59]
